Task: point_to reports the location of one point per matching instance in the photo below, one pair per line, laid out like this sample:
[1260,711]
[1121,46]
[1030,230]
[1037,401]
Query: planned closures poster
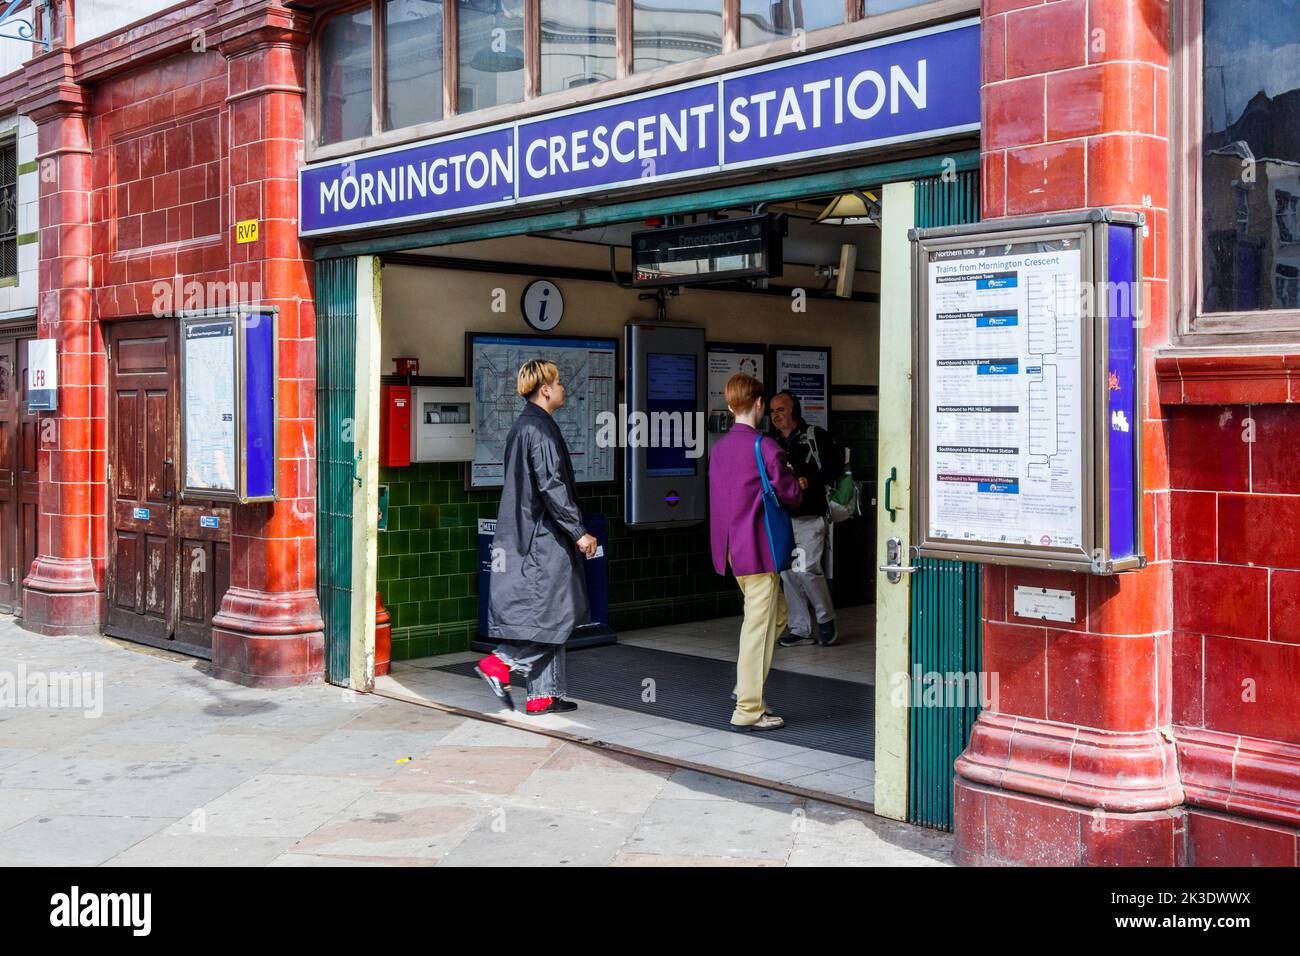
[1006,394]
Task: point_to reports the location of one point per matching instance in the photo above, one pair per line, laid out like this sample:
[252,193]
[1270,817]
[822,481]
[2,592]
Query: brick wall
[159,180]
[1074,101]
[1236,549]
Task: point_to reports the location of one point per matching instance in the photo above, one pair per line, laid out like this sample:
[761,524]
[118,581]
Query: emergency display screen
[670,405]
[706,252]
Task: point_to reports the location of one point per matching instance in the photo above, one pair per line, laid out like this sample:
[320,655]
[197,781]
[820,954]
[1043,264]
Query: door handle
[889,506]
[168,478]
[893,554]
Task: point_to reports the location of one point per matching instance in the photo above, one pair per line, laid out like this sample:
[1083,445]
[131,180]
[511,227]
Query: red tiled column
[1076,764]
[269,630]
[63,590]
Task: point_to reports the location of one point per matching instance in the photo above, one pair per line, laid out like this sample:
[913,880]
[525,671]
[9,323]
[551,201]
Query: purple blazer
[736,500]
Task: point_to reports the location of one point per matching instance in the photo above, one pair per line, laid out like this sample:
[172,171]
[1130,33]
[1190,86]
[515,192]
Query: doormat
[820,713]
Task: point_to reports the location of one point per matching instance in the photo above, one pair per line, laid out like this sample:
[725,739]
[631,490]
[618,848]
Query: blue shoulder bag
[780,530]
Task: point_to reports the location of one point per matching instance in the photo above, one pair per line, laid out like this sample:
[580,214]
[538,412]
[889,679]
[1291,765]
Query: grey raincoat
[541,593]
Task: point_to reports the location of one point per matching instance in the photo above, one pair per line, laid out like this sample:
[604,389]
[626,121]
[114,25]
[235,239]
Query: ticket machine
[665,458]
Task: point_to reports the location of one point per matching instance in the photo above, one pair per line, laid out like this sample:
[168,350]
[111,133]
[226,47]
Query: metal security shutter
[336,337]
[945,616]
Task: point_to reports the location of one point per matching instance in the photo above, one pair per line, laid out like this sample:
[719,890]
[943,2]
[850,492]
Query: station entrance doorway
[662,687]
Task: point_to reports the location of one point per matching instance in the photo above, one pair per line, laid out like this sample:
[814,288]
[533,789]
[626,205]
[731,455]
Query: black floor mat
[820,713]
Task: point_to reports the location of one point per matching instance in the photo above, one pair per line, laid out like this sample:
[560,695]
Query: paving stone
[523,836]
[468,770]
[185,847]
[387,824]
[716,828]
[63,840]
[281,804]
[695,785]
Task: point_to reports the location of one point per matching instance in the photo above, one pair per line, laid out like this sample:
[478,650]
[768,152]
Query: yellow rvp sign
[246,231]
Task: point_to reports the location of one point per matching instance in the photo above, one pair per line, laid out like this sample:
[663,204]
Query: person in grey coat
[538,593]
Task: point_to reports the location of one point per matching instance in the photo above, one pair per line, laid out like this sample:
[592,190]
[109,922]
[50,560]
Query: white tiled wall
[22,297]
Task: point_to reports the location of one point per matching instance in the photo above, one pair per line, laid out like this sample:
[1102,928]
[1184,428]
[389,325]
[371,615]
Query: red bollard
[383,637]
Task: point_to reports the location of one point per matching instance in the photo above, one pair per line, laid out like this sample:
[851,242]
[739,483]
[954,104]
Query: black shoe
[502,691]
[828,635]
[793,640]
[558,705]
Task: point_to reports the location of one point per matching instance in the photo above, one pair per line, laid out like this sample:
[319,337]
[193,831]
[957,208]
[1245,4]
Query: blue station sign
[913,86]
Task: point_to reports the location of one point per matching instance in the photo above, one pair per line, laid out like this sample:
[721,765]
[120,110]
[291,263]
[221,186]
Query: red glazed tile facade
[1188,667]
[156,163]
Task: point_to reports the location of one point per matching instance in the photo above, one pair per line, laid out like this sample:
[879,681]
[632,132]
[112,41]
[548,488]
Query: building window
[413,47]
[490,44]
[579,43]
[762,21]
[384,66]
[672,31]
[1249,161]
[8,210]
[346,70]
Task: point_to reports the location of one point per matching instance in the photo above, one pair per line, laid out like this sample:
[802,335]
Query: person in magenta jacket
[739,538]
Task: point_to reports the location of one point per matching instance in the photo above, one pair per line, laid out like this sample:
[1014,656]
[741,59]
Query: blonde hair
[742,392]
[533,375]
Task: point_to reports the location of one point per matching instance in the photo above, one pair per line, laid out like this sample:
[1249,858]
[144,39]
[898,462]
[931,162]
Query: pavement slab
[183,769]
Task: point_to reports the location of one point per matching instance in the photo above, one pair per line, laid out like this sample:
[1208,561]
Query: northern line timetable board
[1006,394]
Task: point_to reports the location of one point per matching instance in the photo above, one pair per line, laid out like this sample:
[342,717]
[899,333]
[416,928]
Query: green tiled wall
[428,556]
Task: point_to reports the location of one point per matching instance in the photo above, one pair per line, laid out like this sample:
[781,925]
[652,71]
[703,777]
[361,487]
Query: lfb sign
[915,86]
[42,376]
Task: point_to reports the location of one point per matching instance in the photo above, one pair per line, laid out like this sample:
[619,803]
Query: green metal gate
[945,618]
[336,337]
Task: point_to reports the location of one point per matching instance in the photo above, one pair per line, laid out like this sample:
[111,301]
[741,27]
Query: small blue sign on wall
[258,423]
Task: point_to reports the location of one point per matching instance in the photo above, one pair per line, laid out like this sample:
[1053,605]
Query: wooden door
[18,486]
[142,480]
[169,560]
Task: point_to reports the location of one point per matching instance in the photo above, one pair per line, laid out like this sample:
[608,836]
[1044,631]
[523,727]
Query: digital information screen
[670,392]
[704,252]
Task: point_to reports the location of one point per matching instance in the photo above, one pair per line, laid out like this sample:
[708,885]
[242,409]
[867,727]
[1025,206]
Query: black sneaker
[828,635]
[793,640]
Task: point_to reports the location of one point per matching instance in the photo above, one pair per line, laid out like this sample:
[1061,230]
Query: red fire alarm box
[395,425]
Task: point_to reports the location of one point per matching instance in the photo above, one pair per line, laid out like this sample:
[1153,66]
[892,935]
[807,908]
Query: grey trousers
[807,588]
[542,666]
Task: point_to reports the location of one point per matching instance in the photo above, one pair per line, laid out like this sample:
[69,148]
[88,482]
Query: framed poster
[725,359]
[588,369]
[1028,375]
[228,405]
[804,370]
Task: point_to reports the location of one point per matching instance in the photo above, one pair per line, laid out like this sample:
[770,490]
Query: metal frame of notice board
[255,403]
[1111,386]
